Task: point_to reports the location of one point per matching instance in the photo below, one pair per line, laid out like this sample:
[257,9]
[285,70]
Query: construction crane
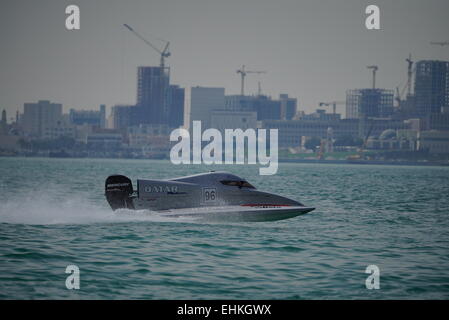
[440,43]
[243,74]
[333,104]
[408,85]
[374,68]
[409,74]
[398,97]
[164,52]
[365,141]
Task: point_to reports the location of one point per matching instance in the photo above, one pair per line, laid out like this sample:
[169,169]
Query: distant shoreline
[281,160]
[363,162]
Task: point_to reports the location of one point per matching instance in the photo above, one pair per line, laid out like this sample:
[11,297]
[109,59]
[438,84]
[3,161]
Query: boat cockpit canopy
[238,183]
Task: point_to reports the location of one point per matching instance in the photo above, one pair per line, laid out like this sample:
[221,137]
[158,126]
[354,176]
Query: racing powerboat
[211,194]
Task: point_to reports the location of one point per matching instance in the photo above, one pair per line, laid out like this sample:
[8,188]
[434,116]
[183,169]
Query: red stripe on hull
[265,205]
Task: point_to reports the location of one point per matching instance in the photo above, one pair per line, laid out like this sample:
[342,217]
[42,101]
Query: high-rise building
[267,109]
[3,123]
[39,116]
[369,103]
[103,116]
[431,87]
[176,107]
[153,94]
[202,102]
[288,107]
[123,116]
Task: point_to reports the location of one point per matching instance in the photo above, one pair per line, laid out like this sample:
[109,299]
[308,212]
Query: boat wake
[48,209]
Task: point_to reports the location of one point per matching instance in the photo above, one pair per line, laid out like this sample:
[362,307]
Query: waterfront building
[92,117]
[434,141]
[38,116]
[291,131]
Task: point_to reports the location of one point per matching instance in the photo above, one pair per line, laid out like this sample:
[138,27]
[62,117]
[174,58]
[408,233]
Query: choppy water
[53,214]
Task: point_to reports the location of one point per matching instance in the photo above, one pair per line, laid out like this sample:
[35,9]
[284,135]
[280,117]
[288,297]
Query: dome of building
[388,134]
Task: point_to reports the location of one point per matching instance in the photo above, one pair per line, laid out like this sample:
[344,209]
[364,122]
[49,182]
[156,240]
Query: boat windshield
[238,183]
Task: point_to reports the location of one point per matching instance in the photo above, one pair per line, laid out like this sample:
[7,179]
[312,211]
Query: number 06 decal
[209,195]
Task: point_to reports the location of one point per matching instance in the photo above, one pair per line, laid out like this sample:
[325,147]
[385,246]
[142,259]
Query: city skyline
[311,51]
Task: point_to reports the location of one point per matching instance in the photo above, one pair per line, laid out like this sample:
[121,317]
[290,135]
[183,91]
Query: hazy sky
[313,49]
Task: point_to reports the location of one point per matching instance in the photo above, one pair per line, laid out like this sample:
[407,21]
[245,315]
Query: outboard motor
[118,192]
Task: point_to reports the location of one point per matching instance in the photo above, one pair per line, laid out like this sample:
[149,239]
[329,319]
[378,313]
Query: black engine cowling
[118,192]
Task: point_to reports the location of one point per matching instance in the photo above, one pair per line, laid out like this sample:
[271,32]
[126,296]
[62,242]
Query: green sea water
[53,214]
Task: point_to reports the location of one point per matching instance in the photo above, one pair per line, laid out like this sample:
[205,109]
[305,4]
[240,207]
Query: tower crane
[243,74]
[333,104]
[398,97]
[164,53]
[409,74]
[374,68]
[408,85]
